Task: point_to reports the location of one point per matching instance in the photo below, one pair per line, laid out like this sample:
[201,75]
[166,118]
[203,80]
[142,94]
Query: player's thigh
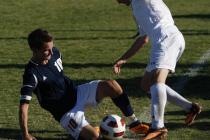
[155,76]
[108,88]
[146,81]
[159,76]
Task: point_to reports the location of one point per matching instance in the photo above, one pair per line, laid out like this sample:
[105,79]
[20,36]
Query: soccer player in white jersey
[155,22]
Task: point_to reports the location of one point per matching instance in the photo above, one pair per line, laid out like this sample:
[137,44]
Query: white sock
[159,98]
[177,99]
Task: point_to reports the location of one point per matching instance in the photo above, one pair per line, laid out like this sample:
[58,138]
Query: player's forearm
[23,119]
[139,43]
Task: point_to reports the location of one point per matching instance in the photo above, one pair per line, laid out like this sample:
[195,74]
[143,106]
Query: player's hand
[117,66]
[29,137]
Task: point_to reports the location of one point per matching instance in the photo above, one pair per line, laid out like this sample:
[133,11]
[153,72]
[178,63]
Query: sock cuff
[159,84]
[123,103]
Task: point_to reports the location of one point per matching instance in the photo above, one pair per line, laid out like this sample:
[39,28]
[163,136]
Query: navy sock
[123,103]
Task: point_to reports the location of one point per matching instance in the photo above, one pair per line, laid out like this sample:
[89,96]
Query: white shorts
[74,120]
[166,54]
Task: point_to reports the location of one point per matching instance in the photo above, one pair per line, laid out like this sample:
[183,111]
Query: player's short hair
[38,37]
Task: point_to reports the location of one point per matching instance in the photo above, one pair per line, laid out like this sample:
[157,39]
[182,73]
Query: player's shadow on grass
[10,133]
[78,65]
[12,66]
[195,32]
[102,65]
[174,125]
[205,113]
[194,16]
[204,126]
[194,87]
[130,65]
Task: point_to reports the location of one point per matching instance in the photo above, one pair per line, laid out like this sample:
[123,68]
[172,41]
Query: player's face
[45,52]
[126,2]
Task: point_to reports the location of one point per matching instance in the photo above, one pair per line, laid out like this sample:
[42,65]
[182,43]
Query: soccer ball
[112,127]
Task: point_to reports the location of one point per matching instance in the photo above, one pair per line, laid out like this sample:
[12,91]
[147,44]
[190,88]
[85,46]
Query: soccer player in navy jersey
[57,93]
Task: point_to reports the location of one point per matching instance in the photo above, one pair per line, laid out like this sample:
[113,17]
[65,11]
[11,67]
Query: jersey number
[72,125]
[58,64]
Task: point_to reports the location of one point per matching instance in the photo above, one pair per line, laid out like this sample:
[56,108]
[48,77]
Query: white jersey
[153,18]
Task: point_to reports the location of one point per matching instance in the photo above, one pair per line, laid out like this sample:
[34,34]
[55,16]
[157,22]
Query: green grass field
[91,35]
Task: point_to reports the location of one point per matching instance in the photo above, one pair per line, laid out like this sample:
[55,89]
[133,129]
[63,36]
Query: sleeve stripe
[33,62]
[36,81]
[25,97]
[60,55]
[27,86]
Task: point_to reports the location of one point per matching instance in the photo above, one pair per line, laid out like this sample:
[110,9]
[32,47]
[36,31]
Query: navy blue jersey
[55,92]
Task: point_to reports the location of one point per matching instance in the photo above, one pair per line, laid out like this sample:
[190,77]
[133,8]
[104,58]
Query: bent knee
[88,133]
[114,87]
[109,88]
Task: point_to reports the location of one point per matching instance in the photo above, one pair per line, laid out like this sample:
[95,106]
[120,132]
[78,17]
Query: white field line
[192,71]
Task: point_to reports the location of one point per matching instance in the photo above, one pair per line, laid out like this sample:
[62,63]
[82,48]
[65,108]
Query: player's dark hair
[37,38]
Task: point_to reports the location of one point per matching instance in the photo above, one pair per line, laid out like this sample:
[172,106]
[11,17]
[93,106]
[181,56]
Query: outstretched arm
[23,121]
[139,43]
